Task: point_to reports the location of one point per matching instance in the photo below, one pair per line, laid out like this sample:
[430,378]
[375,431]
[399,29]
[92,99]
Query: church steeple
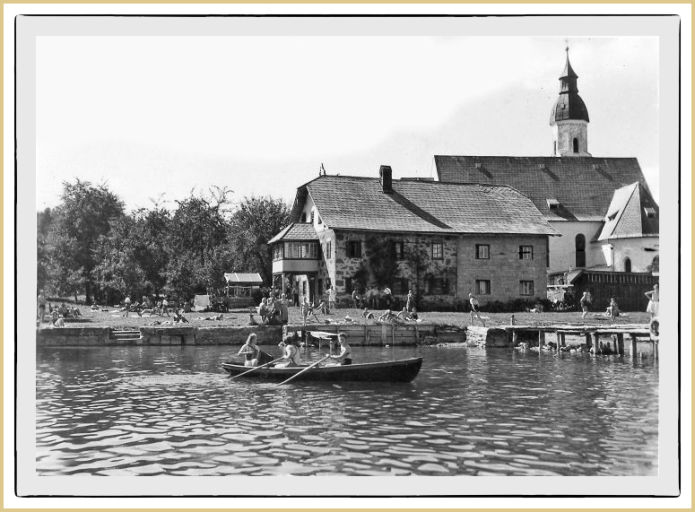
[569,117]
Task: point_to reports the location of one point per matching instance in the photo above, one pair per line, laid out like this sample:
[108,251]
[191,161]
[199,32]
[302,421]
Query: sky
[157,117]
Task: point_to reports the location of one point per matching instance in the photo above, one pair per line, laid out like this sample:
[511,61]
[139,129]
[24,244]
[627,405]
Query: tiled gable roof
[357,203]
[627,215]
[299,231]
[582,185]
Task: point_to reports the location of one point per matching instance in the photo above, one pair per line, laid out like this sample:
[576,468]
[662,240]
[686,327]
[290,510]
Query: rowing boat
[403,370]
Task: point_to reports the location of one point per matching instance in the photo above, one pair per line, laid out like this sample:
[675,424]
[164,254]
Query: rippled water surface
[172,410]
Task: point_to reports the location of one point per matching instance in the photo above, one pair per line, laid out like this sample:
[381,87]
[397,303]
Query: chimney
[385,179]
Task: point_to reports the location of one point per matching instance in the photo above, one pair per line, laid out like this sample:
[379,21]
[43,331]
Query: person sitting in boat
[342,358]
[290,355]
[251,351]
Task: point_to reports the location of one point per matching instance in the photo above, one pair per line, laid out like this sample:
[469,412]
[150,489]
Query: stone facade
[415,248]
[447,281]
[504,269]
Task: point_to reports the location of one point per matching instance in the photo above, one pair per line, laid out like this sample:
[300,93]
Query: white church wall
[640,251]
[562,248]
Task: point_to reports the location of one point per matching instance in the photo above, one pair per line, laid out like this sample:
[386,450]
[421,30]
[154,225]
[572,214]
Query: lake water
[172,411]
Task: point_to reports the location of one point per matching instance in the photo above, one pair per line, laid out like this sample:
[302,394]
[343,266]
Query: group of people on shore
[254,356]
[55,315]
[613,310]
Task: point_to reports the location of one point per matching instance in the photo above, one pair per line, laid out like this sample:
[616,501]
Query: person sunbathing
[388,316]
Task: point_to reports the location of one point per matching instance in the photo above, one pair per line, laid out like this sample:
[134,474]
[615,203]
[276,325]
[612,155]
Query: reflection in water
[171,410]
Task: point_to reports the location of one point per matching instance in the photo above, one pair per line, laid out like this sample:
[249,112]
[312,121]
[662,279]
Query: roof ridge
[543,156]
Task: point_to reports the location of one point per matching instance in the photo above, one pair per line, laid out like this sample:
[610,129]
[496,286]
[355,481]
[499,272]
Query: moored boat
[402,370]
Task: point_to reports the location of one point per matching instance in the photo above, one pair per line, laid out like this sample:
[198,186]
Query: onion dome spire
[569,104]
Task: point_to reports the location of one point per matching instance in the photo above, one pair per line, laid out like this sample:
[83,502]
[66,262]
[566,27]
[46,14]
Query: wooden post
[515,337]
[621,344]
[615,343]
[587,338]
[417,335]
[541,341]
[633,345]
[597,346]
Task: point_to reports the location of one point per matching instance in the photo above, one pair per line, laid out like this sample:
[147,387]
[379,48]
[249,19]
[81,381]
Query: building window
[437,286]
[526,288]
[312,215]
[525,252]
[354,249]
[575,145]
[580,251]
[329,250]
[437,251]
[277,252]
[628,265]
[348,285]
[301,250]
[399,250]
[482,252]
[302,217]
[482,287]
[400,286]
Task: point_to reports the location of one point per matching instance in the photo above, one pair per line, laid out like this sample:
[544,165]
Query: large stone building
[442,240]
[602,207]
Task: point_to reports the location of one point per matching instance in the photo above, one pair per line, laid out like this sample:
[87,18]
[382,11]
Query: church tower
[569,117]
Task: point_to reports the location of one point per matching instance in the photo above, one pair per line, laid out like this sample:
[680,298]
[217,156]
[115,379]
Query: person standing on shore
[331,298]
[653,305]
[42,306]
[295,295]
[475,308]
[585,303]
[409,301]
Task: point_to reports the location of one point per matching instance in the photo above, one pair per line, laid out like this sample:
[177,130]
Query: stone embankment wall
[358,335]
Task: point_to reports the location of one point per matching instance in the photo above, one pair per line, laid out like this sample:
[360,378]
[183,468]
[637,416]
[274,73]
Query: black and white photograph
[261,253]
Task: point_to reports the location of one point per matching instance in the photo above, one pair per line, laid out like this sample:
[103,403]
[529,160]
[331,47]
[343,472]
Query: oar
[304,370]
[232,377]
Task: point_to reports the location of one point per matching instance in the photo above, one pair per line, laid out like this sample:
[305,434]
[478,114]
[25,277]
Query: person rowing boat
[252,352]
[343,358]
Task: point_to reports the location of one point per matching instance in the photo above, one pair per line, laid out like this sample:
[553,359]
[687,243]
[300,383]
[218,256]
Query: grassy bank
[113,318]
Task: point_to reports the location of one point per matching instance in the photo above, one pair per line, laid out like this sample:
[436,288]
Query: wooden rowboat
[403,370]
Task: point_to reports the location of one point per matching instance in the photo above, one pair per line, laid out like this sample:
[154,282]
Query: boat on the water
[402,370]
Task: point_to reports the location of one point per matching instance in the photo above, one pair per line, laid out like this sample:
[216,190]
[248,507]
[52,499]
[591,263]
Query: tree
[118,272]
[255,221]
[381,258]
[84,215]
[198,225]
[44,220]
